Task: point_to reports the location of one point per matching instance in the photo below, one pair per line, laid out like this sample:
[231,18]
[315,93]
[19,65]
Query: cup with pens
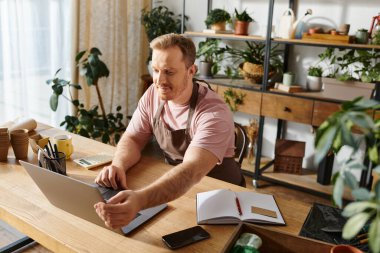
[50,158]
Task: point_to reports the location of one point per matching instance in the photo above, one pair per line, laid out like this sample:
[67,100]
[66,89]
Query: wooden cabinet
[287,108]
[322,110]
[251,102]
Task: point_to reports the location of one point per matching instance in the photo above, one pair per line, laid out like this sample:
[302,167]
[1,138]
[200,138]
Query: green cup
[288,78]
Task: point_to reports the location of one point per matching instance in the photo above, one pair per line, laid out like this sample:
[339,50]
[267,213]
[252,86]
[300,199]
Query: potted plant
[242,22]
[314,78]
[211,54]
[251,60]
[216,19]
[88,122]
[159,21]
[351,69]
[335,133]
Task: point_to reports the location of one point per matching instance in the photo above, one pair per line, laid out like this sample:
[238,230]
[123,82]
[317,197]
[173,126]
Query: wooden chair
[241,142]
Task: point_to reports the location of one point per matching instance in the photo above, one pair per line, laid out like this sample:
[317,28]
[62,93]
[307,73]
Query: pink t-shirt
[211,128]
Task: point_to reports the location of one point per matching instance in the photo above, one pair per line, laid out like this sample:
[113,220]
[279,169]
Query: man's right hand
[112,176]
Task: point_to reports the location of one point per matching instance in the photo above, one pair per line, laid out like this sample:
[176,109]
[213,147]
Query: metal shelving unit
[258,172]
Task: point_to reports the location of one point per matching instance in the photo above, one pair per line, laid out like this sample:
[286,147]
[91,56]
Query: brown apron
[174,144]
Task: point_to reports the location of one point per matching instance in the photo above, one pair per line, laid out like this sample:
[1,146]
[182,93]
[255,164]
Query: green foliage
[88,123]
[255,53]
[210,51]
[243,16]
[352,64]
[315,71]
[376,38]
[160,21]
[335,133]
[217,16]
[233,99]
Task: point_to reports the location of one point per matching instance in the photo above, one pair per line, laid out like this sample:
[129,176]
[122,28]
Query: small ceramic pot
[361,37]
[288,78]
[314,83]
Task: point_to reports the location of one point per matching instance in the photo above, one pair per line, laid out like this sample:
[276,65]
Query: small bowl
[37,141]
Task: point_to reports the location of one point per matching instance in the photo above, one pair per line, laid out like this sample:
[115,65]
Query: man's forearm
[128,153]
[178,180]
[170,186]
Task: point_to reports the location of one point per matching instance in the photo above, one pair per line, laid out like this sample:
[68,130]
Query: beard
[169,91]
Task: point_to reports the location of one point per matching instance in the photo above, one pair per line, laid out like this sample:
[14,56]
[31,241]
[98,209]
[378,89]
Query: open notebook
[227,207]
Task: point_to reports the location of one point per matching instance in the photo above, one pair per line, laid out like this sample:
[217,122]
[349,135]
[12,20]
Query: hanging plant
[233,99]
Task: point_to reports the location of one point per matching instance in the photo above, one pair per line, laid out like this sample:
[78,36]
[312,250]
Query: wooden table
[23,206]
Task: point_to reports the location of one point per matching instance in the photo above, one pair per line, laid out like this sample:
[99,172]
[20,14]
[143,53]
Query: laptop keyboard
[106,192]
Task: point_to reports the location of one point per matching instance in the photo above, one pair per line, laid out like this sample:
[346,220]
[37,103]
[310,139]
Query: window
[35,41]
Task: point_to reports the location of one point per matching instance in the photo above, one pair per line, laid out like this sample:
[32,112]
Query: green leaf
[57,89]
[105,138]
[75,102]
[118,108]
[84,132]
[117,138]
[57,71]
[361,194]
[357,207]
[377,190]
[76,86]
[79,55]
[338,191]
[373,153]
[374,235]
[95,51]
[355,224]
[54,101]
[324,143]
[350,180]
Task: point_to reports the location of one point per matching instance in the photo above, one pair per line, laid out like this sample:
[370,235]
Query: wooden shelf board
[224,36]
[328,43]
[279,40]
[307,180]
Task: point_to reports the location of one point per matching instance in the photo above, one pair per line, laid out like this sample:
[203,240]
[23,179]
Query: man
[192,125]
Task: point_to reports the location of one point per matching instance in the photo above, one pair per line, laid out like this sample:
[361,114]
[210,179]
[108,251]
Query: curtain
[34,43]
[114,27]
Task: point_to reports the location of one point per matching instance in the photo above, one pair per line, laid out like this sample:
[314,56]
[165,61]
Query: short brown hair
[186,46]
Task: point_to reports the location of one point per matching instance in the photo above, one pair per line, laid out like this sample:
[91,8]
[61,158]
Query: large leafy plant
[209,51]
[335,133]
[352,64]
[255,53]
[159,21]
[88,122]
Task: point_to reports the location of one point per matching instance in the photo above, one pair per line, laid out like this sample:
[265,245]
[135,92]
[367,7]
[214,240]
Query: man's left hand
[119,210]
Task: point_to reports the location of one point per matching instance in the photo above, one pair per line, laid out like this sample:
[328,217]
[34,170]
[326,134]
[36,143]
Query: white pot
[314,83]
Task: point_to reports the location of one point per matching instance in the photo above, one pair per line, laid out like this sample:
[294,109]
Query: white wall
[327,14]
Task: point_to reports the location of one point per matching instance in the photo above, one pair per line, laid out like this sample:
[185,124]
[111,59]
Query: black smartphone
[185,237]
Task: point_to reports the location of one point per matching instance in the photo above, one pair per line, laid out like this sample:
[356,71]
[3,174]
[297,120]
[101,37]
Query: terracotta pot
[219,26]
[241,27]
[345,249]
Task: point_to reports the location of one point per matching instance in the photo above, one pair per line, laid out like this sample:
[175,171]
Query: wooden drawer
[322,110]
[287,108]
[251,101]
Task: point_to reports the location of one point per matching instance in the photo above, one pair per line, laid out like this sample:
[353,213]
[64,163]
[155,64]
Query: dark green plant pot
[361,37]
[205,70]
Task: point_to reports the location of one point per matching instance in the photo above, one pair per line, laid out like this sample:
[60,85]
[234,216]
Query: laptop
[78,198]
